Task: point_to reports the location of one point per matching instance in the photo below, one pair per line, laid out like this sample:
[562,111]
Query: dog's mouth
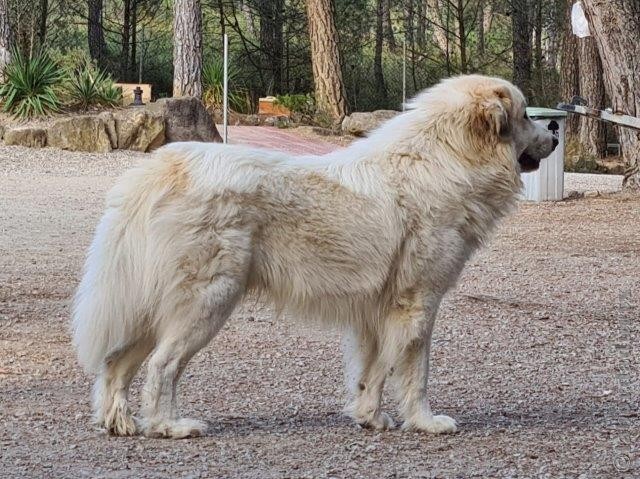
[528,163]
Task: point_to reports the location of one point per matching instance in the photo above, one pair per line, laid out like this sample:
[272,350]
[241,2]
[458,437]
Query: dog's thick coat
[369,238]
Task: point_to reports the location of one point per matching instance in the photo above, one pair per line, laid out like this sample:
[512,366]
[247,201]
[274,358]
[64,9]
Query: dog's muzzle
[528,163]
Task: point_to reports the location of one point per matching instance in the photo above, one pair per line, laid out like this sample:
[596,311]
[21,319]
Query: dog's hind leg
[193,315]
[410,339]
[112,385]
[364,375]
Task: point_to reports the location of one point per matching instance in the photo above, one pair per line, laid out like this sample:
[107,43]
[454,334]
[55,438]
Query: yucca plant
[88,86]
[30,85]
[213,82]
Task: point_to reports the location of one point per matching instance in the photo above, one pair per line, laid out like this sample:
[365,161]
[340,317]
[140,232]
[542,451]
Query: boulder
[139,129]
[185,119]
[361,123]
[110,127]
[33,137]
[80,133]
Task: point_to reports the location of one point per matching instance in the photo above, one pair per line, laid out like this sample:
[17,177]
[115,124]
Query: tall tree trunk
[97,46]
[391,38]
[520,16]
[435,17]
[538,89]
[378,73]
[134,39]
[410,38]
[462,35]
[42,28]
[421,24]
[480,29]
[271,42]
[5,37]
[223,27]
[569,72]
[126,41]
[592,132]
[187,48]
[330,93]
[615,24]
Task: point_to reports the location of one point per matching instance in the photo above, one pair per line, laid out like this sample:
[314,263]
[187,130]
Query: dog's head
[492,112]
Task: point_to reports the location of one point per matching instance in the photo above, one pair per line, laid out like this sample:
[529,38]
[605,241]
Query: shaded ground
[536,355]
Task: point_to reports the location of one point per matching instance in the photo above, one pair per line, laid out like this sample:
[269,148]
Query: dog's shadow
[551,417]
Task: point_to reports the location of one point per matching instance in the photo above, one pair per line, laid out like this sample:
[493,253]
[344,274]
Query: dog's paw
[119,421]
[174,428]
[432,425]
[381,421]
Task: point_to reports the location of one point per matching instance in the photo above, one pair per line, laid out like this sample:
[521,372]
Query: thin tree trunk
[187,48]
[480,29]
[615,25]
[223,28]
[134,38]
[462,34]
[97,46]
[44,13]
[126,42]
[434,16]
[5,37]
[271,42]
[569,72]
[521,46]
[391,38]
[378,73]
[538,89]
[330,93]
[592,132]
[421,24]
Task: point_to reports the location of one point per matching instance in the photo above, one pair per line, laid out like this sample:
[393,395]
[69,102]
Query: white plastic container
[547,183]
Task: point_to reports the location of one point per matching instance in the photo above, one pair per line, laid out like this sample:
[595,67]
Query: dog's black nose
[556,142]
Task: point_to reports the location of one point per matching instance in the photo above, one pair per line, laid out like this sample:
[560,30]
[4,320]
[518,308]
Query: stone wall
[141,128]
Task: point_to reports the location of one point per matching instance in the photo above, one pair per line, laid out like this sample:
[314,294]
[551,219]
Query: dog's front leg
[412,370]
[364,375]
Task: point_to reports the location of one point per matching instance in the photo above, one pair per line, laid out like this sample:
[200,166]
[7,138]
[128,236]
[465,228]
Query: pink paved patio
[278,139]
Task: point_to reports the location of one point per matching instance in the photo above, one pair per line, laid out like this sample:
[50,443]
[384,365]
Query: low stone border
[141,128]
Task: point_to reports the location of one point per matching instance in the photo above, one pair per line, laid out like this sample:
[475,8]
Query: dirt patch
[536,355]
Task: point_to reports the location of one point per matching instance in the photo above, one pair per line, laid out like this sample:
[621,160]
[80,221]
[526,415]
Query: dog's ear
[491,118]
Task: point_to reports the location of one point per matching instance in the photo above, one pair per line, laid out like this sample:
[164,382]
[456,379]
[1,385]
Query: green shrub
[87,85]
[30,87]
[302,103]
[213,82]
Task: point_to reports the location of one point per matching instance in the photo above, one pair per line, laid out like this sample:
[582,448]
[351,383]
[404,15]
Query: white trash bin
[547,183]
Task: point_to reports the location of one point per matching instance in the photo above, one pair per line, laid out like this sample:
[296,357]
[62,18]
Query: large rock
[139,129]
[80,133]
[361,123]
[33,137]
[185,119]
[110,127]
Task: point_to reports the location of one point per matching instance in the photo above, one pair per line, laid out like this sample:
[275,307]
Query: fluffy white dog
[368,238]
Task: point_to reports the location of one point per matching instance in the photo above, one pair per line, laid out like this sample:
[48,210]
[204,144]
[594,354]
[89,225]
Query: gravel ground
[536,355]
[583,182]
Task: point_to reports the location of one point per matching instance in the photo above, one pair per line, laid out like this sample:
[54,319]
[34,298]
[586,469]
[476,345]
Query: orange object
[270,106]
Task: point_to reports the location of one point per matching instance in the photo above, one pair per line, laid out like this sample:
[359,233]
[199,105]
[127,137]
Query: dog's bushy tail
[111,304]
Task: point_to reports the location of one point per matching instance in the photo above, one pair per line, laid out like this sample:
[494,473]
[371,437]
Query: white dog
[368,238]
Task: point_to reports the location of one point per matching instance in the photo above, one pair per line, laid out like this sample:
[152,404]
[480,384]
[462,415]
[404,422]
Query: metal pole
[404,71]
[225,87]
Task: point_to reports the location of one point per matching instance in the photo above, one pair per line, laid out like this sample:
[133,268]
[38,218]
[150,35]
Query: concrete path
[278,139]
